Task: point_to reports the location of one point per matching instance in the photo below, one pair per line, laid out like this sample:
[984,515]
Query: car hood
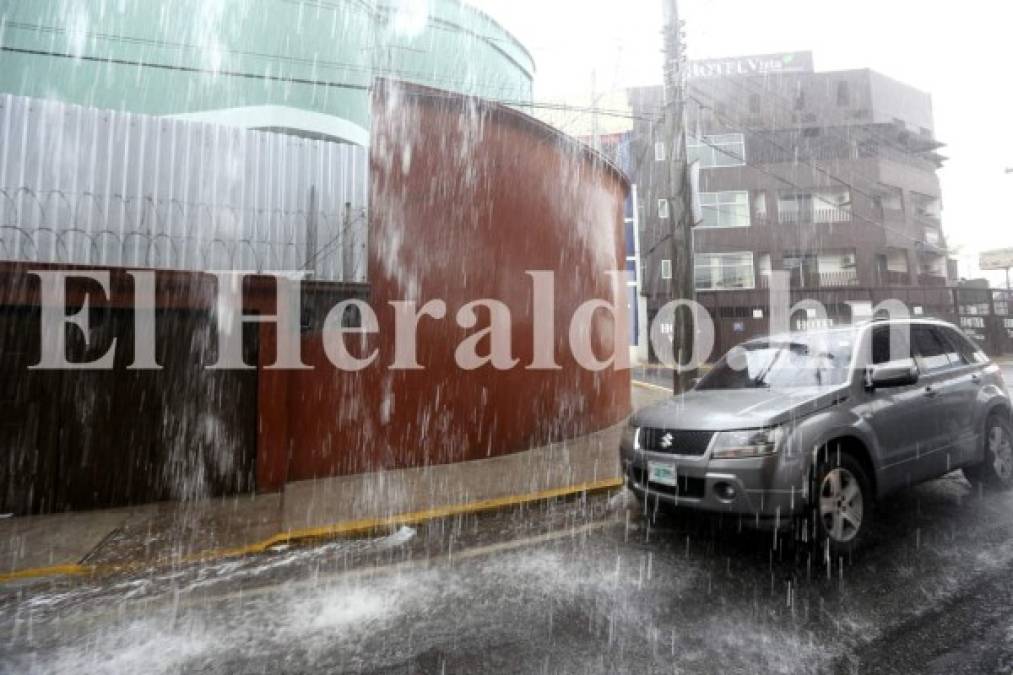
[728,409]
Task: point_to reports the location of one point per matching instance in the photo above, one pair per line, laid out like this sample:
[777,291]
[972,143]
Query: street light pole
[679,211]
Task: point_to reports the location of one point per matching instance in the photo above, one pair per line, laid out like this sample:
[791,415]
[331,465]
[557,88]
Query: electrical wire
[830,175]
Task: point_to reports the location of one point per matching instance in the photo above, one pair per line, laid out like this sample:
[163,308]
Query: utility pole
[1009,170]
[680,210]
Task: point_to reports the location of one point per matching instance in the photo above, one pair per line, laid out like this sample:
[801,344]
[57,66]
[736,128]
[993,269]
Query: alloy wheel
[841,505]
[1002,452]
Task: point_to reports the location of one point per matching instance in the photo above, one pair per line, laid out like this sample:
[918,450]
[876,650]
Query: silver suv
[813,428]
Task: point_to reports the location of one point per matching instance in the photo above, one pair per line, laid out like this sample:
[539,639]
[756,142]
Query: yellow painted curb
[654,387]
[336,531]
[55,570]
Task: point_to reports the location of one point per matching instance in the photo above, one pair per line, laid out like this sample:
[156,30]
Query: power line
[305,81]
[136,63]
[871,129]
[187,69]
[366,69]
[759,133]
[830,175]
[762,169]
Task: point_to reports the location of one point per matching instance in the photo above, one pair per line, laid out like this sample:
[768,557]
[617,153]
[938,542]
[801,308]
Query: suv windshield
[814,360]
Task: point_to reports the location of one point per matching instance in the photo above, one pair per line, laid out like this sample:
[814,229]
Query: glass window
[969,351]
[717,150]
[724,271]
[760,205]
[890,344]
[725,209]
[659,151]
[843,94]
[663,208]
[1000,302]
[931,351]
[666,269]
[815,360]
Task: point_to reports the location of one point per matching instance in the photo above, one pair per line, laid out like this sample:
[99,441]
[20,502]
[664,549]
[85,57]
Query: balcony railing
[891,278]
[817,280]
[818,216]
[929,219]
[836,279]
[931,280]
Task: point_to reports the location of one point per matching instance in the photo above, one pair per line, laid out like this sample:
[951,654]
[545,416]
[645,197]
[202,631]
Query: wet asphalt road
[592,585]
[573,587]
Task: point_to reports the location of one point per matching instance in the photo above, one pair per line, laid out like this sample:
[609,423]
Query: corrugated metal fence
[90,186]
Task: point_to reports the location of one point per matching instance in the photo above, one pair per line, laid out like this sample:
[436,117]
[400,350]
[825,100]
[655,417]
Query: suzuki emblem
[666,440]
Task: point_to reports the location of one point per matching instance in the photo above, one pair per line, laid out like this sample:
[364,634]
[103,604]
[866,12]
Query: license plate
[662,474]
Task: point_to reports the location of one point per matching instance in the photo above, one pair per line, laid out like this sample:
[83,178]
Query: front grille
[686,486]
[681,442]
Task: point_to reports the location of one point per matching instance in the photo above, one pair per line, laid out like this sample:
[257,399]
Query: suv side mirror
[890,375]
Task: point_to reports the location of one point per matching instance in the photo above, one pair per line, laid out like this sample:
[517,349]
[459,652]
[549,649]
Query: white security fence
[90,186]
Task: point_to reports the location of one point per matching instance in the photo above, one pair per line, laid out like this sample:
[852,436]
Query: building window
[716,151]
[659,151]
[760,206]
[754,103]
[896,261]
[818,206]
[666,269]
[663,209]
[724,271]
[725,209]
[843,94]
[890,199]
[763,269]
[800,99]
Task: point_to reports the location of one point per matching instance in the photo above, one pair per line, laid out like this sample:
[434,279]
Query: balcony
[799,279]
[930,220]
[814,216]
[891,278]
[931,280]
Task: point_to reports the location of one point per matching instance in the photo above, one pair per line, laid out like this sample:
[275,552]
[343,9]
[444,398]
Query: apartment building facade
[829,176]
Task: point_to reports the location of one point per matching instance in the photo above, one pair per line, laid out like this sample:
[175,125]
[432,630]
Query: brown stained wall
[466,197]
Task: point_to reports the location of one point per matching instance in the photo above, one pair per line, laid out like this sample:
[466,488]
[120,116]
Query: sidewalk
[173,533]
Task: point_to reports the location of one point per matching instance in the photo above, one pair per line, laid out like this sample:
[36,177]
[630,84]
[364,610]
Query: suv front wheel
[842,503]
[996,469]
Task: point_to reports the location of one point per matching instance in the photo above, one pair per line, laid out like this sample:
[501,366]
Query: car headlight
[631,437]
[748,443]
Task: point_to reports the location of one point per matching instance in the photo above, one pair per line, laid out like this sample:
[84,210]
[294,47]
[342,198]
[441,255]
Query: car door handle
[931,392]
[976,378]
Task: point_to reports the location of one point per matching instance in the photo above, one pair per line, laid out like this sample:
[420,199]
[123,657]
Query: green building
[299,66]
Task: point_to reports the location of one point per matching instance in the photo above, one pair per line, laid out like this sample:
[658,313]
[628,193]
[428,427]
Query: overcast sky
[960,52]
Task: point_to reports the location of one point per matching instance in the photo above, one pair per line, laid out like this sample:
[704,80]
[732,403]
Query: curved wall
[466,197]
[260,60]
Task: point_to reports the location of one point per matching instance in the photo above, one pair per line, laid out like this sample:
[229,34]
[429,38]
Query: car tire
[841,504]
[995,471]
